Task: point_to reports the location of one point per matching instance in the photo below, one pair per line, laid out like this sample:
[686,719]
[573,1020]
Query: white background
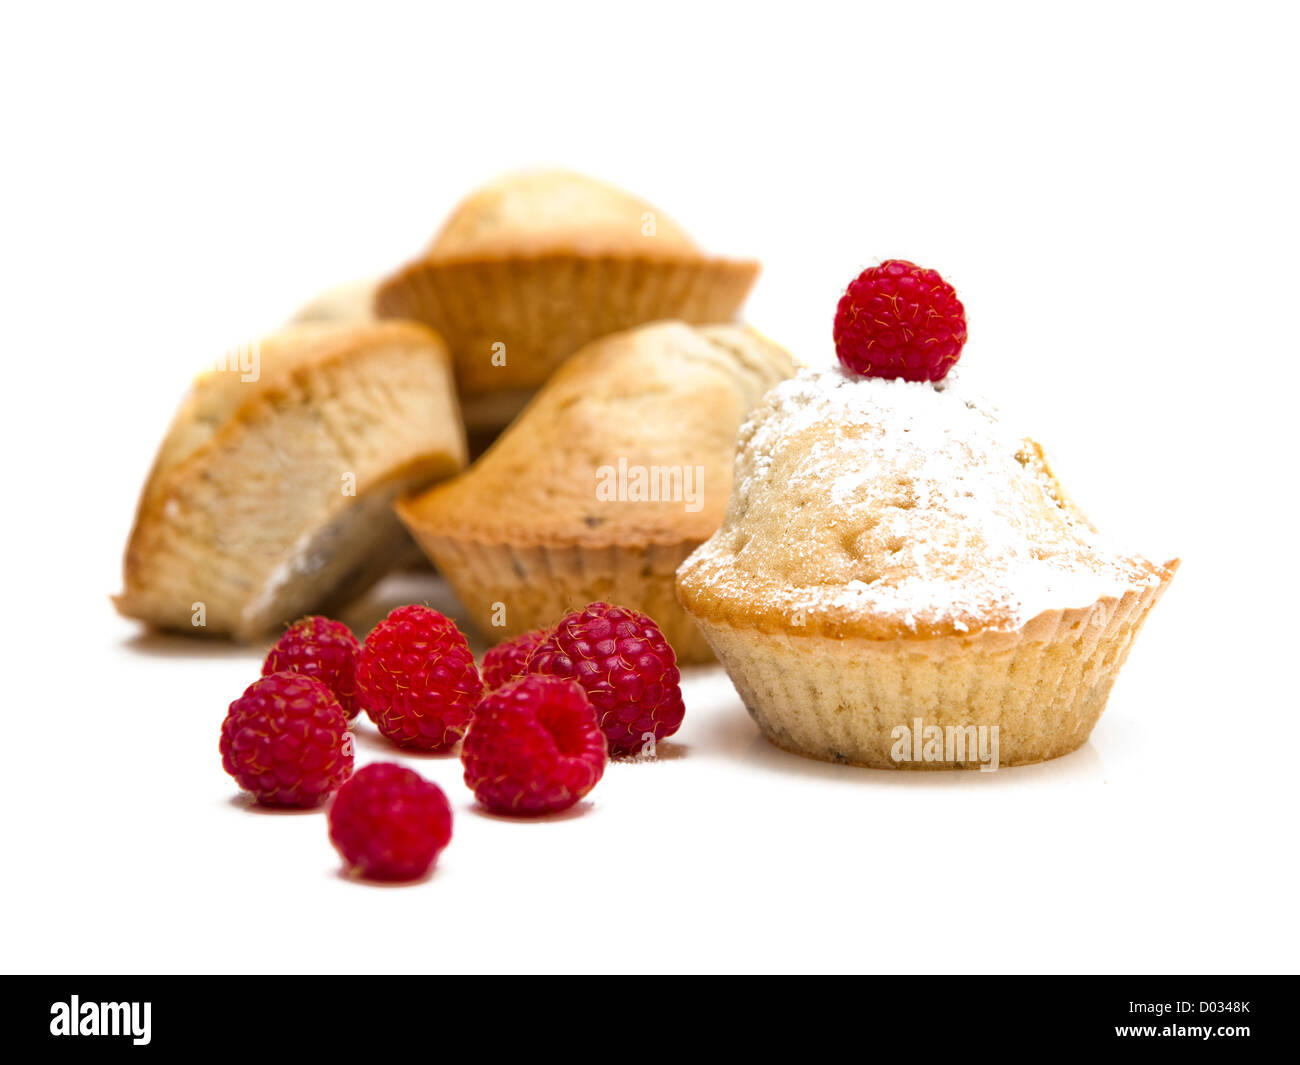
[1113,192]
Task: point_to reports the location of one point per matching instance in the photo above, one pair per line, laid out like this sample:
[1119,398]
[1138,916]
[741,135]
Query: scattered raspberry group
[286,740]
[629,671]
[323,649]
[534,747]
[899,320]
[389,823]
[558,702]
[509,660]
[417,680]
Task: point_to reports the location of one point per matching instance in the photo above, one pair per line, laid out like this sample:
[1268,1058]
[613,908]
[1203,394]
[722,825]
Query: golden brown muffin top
[548,212]
[888,509]
[650,412]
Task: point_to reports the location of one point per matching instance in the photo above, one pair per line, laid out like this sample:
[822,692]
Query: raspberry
[534,747]
[416,679]
[627,668]
[389,823]
[326,650]
[509,660]
[286,740]
[899,320]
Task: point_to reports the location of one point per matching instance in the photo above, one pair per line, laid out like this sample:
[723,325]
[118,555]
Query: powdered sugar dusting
[908,500]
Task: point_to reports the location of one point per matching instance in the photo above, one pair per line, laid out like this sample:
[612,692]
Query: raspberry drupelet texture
[899,320]
[389,823]
[627,668]
[286,740]
[534,747]
[416,679]
[326,650]
[509,660]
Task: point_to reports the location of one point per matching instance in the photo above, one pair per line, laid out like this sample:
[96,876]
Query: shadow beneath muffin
[736,736]
[157,644]
[1082,764]
[397,589]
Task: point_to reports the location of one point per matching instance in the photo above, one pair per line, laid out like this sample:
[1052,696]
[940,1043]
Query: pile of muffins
[548,402]
[556,329]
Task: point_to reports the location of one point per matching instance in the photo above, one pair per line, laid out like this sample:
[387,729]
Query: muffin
[351,303]
[533,266]
[271,495]
[900,576]
[618,469]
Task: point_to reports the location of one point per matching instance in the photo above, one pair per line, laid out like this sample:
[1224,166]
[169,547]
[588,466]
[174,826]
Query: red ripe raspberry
[389,823]
[899,320]
[627,668]
[286,740]
[534,747]
[318,647]
[509,660]
[417,680]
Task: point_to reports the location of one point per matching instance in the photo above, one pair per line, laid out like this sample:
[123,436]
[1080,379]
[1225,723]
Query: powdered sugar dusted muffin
[898,570]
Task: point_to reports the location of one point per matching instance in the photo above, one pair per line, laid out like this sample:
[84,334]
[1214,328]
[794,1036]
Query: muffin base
[1043,686]
[508,590]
